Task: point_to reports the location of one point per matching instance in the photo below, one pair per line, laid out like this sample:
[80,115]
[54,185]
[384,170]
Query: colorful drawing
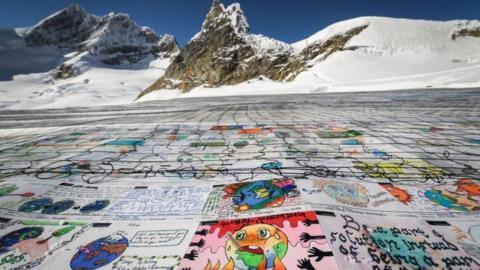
[99,252]
[124,145]
[397,171]
[260,194]
[399,193]
[468,185]
[251,131]
[58,207]
[347,193]
[7,189]
[226,127]
[339,133]
[284,241]
[35,205]
[274,165]
[452,200]
[8,241]
[240,144]
[94,206]
[207,144]
[389,241]
[58,233]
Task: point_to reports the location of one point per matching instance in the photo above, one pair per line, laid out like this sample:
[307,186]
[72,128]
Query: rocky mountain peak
[224,52]
[225,19]
[118,39]
[65,28]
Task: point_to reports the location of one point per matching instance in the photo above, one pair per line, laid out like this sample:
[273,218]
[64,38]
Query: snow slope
[96,85]
[399,51]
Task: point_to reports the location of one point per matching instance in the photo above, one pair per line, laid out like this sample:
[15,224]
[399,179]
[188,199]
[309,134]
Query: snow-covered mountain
[67,28]
[78,58]
[367,53]
[398,53]
[223,52]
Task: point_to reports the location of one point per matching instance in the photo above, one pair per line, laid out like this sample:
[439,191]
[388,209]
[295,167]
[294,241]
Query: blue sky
[287,20]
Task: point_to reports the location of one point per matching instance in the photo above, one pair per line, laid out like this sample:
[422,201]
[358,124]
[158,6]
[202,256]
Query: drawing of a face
[99,252]
[12,238]
[401,194]
[259,246]
[258,195]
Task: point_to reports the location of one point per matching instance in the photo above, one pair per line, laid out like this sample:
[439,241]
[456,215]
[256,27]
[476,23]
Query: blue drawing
[35,205]
[378,153]
[275,165]
[351,142]
[99,253]
[58,207]
[12,238]
[439,198]
[126,142]
[94,206]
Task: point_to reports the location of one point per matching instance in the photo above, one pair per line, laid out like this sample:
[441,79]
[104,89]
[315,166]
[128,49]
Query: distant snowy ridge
[389,36]
[114,39]
[79,59]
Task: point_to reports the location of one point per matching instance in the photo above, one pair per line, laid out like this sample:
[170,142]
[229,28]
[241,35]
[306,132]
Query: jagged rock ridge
[113,39]
[67,28]
[225,52]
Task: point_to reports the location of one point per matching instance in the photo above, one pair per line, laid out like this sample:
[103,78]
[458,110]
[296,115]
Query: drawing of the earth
[99,253]
[35,205]
[94,206]
[58,207]
[14,237]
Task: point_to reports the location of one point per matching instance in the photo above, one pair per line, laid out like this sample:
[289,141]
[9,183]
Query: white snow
[265,45]
[98,85]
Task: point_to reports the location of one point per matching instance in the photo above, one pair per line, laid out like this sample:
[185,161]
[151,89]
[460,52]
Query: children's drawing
[94,206]
[35,205]
[260,194]
[362,242]
[248,198]
[284,241]
[99,253]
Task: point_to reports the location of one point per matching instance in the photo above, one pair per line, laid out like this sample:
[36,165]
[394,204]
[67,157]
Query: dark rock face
[225,53]
[117,39]
[318,49]
[222,53]
[64,71]
[113,39]
[65,29]
[466,32]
